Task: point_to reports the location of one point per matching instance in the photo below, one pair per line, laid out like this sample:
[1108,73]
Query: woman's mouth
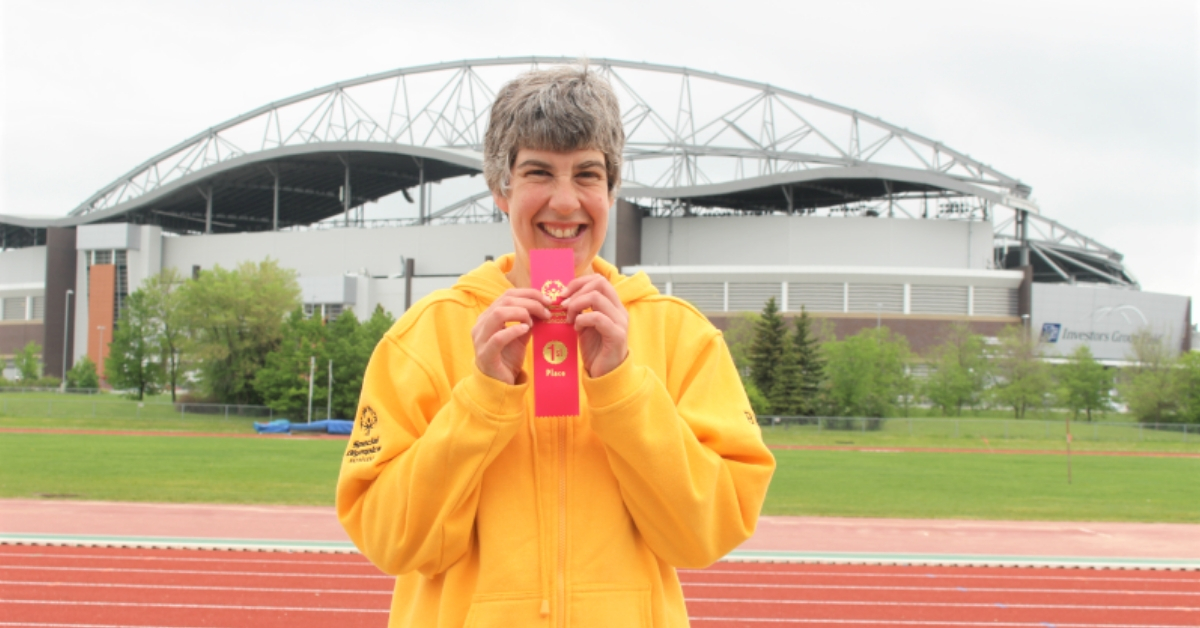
[562,232]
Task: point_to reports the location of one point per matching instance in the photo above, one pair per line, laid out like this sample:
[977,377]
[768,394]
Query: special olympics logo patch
[367,420]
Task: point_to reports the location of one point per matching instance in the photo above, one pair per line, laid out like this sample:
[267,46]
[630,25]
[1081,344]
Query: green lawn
[279,470]
[975,486]
[283,470]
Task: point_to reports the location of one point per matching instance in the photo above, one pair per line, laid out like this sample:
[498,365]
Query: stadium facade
[734,192]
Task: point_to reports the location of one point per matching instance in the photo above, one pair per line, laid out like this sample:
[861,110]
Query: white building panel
[816,241]
[115,236]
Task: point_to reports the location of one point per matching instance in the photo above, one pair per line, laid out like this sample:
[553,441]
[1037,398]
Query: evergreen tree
[133,354]
[767,350]
[786,396]
[1086,385]
[811,367]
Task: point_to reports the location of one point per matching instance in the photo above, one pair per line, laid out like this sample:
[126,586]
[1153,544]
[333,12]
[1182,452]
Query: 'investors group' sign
[1104,319]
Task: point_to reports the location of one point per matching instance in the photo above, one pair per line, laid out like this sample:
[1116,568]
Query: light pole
[66,319]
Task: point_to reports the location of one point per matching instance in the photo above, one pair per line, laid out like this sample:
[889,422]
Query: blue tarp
[325,426]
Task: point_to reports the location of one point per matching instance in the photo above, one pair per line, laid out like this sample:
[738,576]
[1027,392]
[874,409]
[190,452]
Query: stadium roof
[693,138]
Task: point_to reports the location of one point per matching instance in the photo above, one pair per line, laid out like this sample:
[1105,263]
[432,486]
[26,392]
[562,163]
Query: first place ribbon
[555,343]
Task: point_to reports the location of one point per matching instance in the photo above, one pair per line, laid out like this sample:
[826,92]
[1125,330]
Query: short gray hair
[562,108]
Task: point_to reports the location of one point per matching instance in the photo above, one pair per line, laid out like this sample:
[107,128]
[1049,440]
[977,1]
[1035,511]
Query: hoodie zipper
[561,569]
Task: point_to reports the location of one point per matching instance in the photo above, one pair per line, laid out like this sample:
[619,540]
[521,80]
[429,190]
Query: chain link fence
[71,406]
[998,429]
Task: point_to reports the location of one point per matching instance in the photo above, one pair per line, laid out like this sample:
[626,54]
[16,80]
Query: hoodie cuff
[497,399]
[615,386]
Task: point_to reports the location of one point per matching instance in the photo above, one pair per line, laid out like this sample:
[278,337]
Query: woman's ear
[500,201]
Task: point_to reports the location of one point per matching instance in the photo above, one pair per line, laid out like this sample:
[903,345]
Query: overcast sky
[1093,104]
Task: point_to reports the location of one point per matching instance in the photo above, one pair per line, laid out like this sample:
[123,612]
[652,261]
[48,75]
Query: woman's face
[557,200]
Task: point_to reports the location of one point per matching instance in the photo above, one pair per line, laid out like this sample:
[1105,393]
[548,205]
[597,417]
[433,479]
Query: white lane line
[925,574]
[175,559]
[196,571]
[851,587]
[1082,607]
[211,607]
[185,587]
[902,622]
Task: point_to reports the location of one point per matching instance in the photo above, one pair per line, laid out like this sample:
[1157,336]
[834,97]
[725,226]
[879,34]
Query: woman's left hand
[604,331]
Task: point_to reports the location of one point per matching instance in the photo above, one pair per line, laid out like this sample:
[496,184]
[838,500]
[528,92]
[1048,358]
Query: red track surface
[102,588]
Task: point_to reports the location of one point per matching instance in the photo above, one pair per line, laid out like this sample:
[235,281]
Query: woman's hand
[603,331]
[500,347]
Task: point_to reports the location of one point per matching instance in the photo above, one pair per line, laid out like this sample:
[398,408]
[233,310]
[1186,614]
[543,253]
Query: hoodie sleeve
[410,479]
[687,452]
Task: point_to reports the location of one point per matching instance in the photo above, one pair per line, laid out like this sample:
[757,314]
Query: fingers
[595,292]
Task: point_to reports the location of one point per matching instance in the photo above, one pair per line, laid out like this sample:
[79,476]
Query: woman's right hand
[500,347]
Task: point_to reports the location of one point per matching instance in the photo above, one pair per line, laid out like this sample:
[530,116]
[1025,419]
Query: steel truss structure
[697,143]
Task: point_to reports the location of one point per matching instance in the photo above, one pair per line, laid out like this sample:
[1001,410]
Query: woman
[490,516]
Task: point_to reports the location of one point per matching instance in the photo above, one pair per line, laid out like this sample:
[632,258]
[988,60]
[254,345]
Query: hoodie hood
[487,282]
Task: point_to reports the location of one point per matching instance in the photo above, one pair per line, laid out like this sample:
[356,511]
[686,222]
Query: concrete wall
[451,249]
[806,240]
[25,267]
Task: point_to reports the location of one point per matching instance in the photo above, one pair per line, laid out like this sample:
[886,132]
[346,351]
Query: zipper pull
[545,607]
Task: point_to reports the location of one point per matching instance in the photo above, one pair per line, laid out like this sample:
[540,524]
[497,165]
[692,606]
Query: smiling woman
[491,515]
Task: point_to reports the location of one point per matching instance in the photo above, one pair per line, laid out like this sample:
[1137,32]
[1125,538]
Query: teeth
[562,233]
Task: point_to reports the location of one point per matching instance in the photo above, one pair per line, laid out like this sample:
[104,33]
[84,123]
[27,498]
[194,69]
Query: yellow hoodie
[489,516]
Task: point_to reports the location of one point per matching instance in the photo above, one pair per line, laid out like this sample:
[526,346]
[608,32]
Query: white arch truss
[686,130]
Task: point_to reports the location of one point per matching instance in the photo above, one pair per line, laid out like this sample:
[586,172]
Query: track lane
[80,587]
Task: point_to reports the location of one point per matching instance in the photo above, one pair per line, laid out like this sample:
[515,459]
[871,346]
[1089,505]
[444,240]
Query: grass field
[834,483]
[170,469]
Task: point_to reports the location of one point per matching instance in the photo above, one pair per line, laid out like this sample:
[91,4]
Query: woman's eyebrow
[533,163]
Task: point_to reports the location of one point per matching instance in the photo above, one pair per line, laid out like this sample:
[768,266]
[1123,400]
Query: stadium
[733,192]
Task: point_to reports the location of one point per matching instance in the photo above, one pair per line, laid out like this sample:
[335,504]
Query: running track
[91,587]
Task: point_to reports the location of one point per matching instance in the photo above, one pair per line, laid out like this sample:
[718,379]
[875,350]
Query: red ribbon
[555,343]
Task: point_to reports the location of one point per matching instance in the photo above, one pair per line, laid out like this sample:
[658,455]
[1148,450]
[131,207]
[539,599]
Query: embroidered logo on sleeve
[364,450]
[750,418]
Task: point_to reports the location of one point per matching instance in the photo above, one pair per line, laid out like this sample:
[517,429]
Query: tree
[1085,383]
[236,318]
[283,380]
[786,397]
[29,362]
[811,365]
[351,346]
[83,375]
[133,358]
[1188,384]
[739,337]
[164,304]
[958,371]
[867,372]
[1021,376]
[767,348]
[1149,387]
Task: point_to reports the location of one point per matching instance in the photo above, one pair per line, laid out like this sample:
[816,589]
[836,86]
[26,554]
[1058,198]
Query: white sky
[1093,104]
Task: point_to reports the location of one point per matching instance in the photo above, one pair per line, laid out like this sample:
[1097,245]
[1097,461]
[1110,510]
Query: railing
[1002,429]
